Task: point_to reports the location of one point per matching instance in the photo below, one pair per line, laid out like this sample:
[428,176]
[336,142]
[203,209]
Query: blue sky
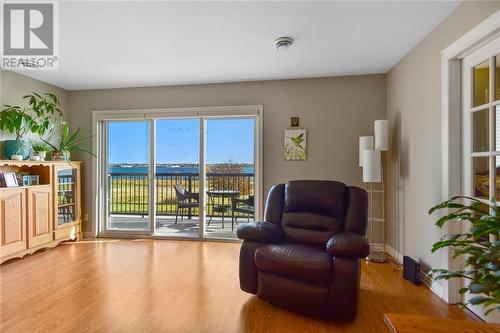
[177,141]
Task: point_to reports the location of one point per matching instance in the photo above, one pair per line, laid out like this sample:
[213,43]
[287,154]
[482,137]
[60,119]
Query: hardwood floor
[176,286]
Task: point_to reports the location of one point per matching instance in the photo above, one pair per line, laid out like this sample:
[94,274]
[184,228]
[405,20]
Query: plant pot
[17,147]
[60,155]
[41,154]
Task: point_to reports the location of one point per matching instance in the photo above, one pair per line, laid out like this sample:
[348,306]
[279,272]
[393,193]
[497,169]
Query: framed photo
[295,145]
[10,179]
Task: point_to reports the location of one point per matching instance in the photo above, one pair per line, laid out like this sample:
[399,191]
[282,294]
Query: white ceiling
[124,44]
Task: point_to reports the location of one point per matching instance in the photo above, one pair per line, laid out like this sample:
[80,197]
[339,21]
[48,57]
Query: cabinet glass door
[66,195]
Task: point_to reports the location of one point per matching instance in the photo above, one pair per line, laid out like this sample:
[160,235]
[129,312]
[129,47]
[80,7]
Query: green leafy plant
[34,117]
[480,247]
[70,141]
[40,146]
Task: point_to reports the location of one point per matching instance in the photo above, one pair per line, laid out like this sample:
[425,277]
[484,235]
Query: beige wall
[14,86]
[414,112]
[335,111]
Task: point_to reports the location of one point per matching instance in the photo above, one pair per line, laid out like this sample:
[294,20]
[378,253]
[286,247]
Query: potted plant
[40,149]
[33,118]
[69,142]
[480,246]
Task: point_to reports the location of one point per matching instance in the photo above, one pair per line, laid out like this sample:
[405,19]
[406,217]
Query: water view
[171,168]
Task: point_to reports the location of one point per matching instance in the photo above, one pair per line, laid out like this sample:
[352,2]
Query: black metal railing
[129,192]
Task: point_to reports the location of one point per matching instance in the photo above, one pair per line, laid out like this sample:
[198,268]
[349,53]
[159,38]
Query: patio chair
[185,200]
[245,206]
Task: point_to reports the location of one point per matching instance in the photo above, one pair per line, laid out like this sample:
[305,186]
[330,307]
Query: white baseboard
[435,286]
[394,254]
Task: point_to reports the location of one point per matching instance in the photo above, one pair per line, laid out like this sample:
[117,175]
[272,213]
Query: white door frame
[451,133]
[203,113]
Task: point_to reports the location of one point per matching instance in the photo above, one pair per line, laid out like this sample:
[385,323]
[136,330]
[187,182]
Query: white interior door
[481,131]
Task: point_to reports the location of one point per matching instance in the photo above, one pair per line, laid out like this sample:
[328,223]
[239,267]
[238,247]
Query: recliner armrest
[264,232]
[348,244]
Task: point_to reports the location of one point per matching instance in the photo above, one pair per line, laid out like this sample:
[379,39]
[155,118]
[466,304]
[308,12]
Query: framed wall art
[295,144]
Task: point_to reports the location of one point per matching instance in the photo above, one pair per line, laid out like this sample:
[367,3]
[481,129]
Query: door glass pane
[497,178]
[481,83]
[177,177]
[128,181]
[480,176]
[66,195]
[480,131]
[230,183]
[497,77]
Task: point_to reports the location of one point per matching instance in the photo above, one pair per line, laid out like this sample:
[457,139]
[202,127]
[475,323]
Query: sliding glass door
[177,179]
[230,181]
[128,181]
[182,177]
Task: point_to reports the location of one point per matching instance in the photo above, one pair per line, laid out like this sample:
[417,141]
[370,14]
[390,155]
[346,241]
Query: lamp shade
[365,143]
[372,169]
[382,135]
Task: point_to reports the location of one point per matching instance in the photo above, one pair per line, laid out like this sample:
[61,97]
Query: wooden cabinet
[39,216]
[12,222]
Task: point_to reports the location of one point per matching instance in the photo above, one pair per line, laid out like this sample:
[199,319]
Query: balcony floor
[186,228]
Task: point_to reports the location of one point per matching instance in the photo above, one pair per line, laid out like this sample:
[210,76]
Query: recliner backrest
[313,211]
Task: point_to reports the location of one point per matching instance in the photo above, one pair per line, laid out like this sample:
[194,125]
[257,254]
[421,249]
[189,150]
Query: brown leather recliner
[306,255]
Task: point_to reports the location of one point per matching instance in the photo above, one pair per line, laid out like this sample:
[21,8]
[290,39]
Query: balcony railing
[129,192]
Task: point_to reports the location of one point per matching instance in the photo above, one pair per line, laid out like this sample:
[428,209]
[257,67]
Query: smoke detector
[283,43]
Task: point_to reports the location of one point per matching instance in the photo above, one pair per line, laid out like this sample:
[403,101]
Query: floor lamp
[372,173]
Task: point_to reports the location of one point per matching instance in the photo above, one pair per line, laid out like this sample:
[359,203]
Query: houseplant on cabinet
[40,149]
[69,142]
[479,243]
[35,118]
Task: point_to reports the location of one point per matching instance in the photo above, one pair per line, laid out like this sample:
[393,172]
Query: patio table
[222,207]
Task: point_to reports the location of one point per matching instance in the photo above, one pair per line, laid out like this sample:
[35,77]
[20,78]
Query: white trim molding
[451,131]
[391,252]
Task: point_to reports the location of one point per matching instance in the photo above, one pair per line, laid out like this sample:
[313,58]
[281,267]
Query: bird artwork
[295,145]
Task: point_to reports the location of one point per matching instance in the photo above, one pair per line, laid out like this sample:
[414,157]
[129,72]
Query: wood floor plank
[176,286]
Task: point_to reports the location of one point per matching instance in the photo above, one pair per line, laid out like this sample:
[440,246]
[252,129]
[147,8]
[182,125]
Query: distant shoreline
[172,165]
[171,168]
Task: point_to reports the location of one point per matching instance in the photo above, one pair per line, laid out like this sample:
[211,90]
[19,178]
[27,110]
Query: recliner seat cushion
[308,264]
